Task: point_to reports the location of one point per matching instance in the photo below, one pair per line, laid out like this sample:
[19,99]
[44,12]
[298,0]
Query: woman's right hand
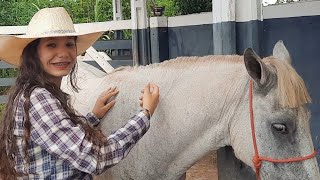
[150,98]
[105,102]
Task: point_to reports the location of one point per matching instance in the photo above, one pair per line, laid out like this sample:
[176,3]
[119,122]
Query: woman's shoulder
[34,92]
[40,93]
[39,90]
[39,96]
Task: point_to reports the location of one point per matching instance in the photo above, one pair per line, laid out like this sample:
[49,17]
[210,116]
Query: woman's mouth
[61,65]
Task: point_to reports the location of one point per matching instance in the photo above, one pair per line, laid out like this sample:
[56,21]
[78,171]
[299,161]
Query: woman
[44,138]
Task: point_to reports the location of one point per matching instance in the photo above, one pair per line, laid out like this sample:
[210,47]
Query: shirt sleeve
[53,130]
[92,119]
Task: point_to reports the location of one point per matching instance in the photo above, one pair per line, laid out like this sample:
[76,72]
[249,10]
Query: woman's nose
[62,52]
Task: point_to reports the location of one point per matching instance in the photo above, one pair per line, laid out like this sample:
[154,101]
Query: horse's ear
[280,52]
[255,67]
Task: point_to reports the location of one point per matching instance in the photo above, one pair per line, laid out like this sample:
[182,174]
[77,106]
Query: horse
[204,105]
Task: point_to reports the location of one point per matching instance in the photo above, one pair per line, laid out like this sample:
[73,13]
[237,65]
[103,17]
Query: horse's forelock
[292,91]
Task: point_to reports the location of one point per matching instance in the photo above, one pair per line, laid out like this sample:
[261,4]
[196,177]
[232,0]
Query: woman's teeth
[61,64]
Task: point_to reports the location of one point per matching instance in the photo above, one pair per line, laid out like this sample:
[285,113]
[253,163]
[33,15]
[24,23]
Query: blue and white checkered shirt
[58,148]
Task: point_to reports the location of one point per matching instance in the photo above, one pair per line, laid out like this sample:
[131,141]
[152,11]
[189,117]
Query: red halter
[257,160]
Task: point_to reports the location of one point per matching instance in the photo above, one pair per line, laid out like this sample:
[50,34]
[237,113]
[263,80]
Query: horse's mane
[292,91]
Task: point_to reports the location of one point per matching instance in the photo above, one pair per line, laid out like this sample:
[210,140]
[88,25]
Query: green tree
[193,6]
[171,8]
[19,12]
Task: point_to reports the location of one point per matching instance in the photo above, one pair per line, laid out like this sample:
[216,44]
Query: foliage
[193,6]
[2,106]
[181,7]
[20,12]
[6,73]
[171,8]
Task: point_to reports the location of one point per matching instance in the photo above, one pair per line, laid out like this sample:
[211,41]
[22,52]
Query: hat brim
[11,47]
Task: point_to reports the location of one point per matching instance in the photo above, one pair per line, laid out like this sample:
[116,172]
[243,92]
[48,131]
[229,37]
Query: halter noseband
[257,160]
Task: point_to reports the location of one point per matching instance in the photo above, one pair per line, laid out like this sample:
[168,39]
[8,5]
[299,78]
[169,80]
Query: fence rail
[113,44]
[3,99]
[5,82]
[4,65]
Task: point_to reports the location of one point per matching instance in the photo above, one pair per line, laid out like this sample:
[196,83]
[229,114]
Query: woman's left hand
[105,102]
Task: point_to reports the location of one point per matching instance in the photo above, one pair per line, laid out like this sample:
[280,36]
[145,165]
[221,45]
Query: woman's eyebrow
[48,39]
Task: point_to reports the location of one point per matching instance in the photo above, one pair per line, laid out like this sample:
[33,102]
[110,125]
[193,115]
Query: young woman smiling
[43,137]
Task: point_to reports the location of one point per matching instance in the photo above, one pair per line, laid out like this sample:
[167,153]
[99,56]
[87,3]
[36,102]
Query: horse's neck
[193,116]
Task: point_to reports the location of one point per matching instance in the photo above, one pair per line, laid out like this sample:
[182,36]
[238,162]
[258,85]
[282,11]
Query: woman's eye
[280,128]
[51,45]
[71,44]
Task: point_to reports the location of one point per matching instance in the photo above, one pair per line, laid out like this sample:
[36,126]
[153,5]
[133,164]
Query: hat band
[53,32]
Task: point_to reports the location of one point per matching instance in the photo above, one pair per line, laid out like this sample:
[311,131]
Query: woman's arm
[54,131]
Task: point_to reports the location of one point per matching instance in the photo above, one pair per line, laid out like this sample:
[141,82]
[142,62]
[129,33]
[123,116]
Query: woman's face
[57,55]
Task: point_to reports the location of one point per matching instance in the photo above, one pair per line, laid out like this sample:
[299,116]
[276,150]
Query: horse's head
[281,119]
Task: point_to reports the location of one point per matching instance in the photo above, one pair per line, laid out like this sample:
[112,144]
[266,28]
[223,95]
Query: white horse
[204,105]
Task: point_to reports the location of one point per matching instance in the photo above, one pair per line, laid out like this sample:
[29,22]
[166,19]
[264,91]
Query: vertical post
[224,42]
[117,16]
[224,26]
[159,39]
[140,33]
[236,26]
[249,25]
[117,10]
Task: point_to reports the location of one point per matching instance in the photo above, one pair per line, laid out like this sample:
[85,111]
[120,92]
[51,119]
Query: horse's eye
[280,128]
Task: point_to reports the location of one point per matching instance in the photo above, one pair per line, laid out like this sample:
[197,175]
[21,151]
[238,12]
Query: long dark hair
[31,75]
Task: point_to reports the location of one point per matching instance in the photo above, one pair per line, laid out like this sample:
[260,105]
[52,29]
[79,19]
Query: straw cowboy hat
[48,22]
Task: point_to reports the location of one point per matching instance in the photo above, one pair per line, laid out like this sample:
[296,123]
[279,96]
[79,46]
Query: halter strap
[257,160]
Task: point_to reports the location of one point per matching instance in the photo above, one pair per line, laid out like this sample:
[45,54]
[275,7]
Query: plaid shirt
[58,148]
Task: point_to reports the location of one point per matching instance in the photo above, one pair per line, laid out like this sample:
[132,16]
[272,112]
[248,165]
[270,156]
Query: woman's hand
[150,98]
[105,102]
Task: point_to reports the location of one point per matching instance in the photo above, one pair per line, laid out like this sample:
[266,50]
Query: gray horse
[204,105]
